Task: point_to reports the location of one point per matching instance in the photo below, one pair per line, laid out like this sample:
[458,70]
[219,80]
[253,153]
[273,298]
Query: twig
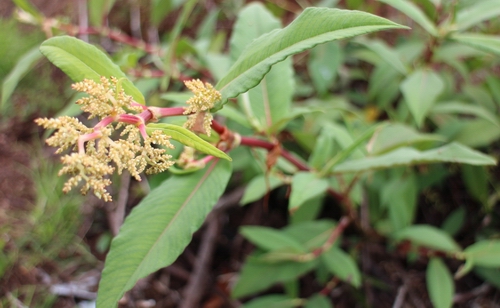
[196,286]
[117,215]
[474,293]
[400,297]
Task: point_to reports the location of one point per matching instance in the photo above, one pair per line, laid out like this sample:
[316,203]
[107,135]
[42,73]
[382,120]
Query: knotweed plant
[119,141]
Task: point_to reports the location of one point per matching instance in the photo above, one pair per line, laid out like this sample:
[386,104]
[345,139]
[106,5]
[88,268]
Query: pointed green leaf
[484,253]
[387,54]
[257,188]
[324,63]
[306,186]
[428,236]
[451,153]
[484,42]
[420,90]
[188,138]
[23,66]
[80,60]
[342,266]
[398,135]
[478,12]
[464,108]
[258,275]
[270,239]
[98,9]
[314,26]
[440,284]
[415,13]
[159,228]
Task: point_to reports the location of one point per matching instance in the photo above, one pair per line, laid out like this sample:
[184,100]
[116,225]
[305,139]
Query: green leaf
[270,100]
[80,60]
[440,284]
[420,90]
[451,153]
[483,42]
[257,275]
[257,188]
[98,9]
[415,13]
[270,239]
[476,179]
[398,135]
[324,62]
[305,186]
[323,149]
[311,234]
[187,138]
[23,66]
[400,197]
[159,228]
[484,253]
[491,275]
[273,301]
[387,54]
[318,301]
[464,108]
[476,13]
[428,236]
[308,211]
[314,26]
[455,221]
[342,265]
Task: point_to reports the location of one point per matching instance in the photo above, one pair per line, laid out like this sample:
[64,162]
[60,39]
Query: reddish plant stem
[339,229]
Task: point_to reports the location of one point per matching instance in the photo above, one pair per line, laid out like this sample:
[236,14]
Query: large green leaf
[23,66]
[415,13]
[314,26]
[484,42]
[420,90]
[439,284]
[428,236]
[188,138]
[476,13]
[159,228]
[451,153]
[80,60]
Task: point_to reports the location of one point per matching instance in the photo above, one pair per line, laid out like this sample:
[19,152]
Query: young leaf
[420,90]
[476,13]
[455,221]
[452,153]
[23,66]
[314,26]
[305,186]
[440,284]
[415,13]
[484,253]
[270,239]
[342,266]
[188,138]
[159,228]
[484,42]
[80,60]
[428,236]
[464,108]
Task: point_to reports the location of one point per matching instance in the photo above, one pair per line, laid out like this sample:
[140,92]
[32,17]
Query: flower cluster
[204,99]
[96,150]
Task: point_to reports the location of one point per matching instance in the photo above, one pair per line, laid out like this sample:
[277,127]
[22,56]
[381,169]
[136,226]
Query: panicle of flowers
[205,96]
[105,98]
[96,150]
